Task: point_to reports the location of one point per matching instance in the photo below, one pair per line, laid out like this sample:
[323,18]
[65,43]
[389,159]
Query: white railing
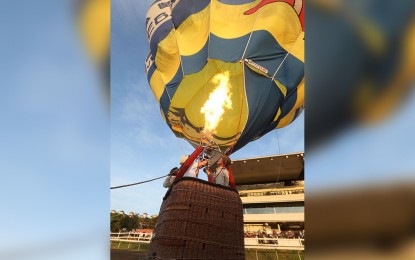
[131,237]
[256,242]
[274,243]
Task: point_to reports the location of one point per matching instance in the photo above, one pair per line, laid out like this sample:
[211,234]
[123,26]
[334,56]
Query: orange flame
[218,100]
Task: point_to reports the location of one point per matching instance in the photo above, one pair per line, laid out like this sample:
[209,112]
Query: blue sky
[56,155]
[142,146]
[54,142]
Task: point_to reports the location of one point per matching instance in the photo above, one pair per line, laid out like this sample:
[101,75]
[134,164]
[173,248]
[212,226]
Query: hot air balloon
[225,72]
[255,49]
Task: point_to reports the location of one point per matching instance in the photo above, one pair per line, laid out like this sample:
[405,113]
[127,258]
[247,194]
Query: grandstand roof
[277,168]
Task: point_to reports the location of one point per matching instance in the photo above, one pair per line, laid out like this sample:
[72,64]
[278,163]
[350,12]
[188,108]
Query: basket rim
[200,181]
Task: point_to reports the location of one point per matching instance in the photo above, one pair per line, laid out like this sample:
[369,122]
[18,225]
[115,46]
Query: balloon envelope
[259,43]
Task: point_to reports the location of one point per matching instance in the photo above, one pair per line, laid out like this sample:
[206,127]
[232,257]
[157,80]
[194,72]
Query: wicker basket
[199,220]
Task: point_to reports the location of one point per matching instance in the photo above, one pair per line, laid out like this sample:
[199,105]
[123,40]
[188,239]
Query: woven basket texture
[199,220]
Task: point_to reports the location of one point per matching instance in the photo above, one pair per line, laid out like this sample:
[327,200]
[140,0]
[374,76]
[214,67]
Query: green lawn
[250,254]
[263,254]
[129,246]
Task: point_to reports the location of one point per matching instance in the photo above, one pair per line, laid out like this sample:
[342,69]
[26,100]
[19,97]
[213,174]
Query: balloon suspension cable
[137,183]
[209,144]
[279,153]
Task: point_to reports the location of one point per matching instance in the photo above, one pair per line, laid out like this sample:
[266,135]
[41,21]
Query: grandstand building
[272,192]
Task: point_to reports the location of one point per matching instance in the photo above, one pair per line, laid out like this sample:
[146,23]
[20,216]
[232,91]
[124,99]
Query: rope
[250,35]
[288,53]
[141,182]
[279,153]
[240,114]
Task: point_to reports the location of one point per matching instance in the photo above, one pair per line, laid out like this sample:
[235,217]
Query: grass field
[129,246]
[250,254]
[263,254]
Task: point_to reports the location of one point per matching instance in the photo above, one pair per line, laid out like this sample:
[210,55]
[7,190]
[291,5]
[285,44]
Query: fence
[258,243]
[275,243]
[131,237]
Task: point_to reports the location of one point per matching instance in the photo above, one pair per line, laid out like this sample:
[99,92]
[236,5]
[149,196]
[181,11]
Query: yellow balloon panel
[279,19]
[185,109]
[167,58]
[193,33]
